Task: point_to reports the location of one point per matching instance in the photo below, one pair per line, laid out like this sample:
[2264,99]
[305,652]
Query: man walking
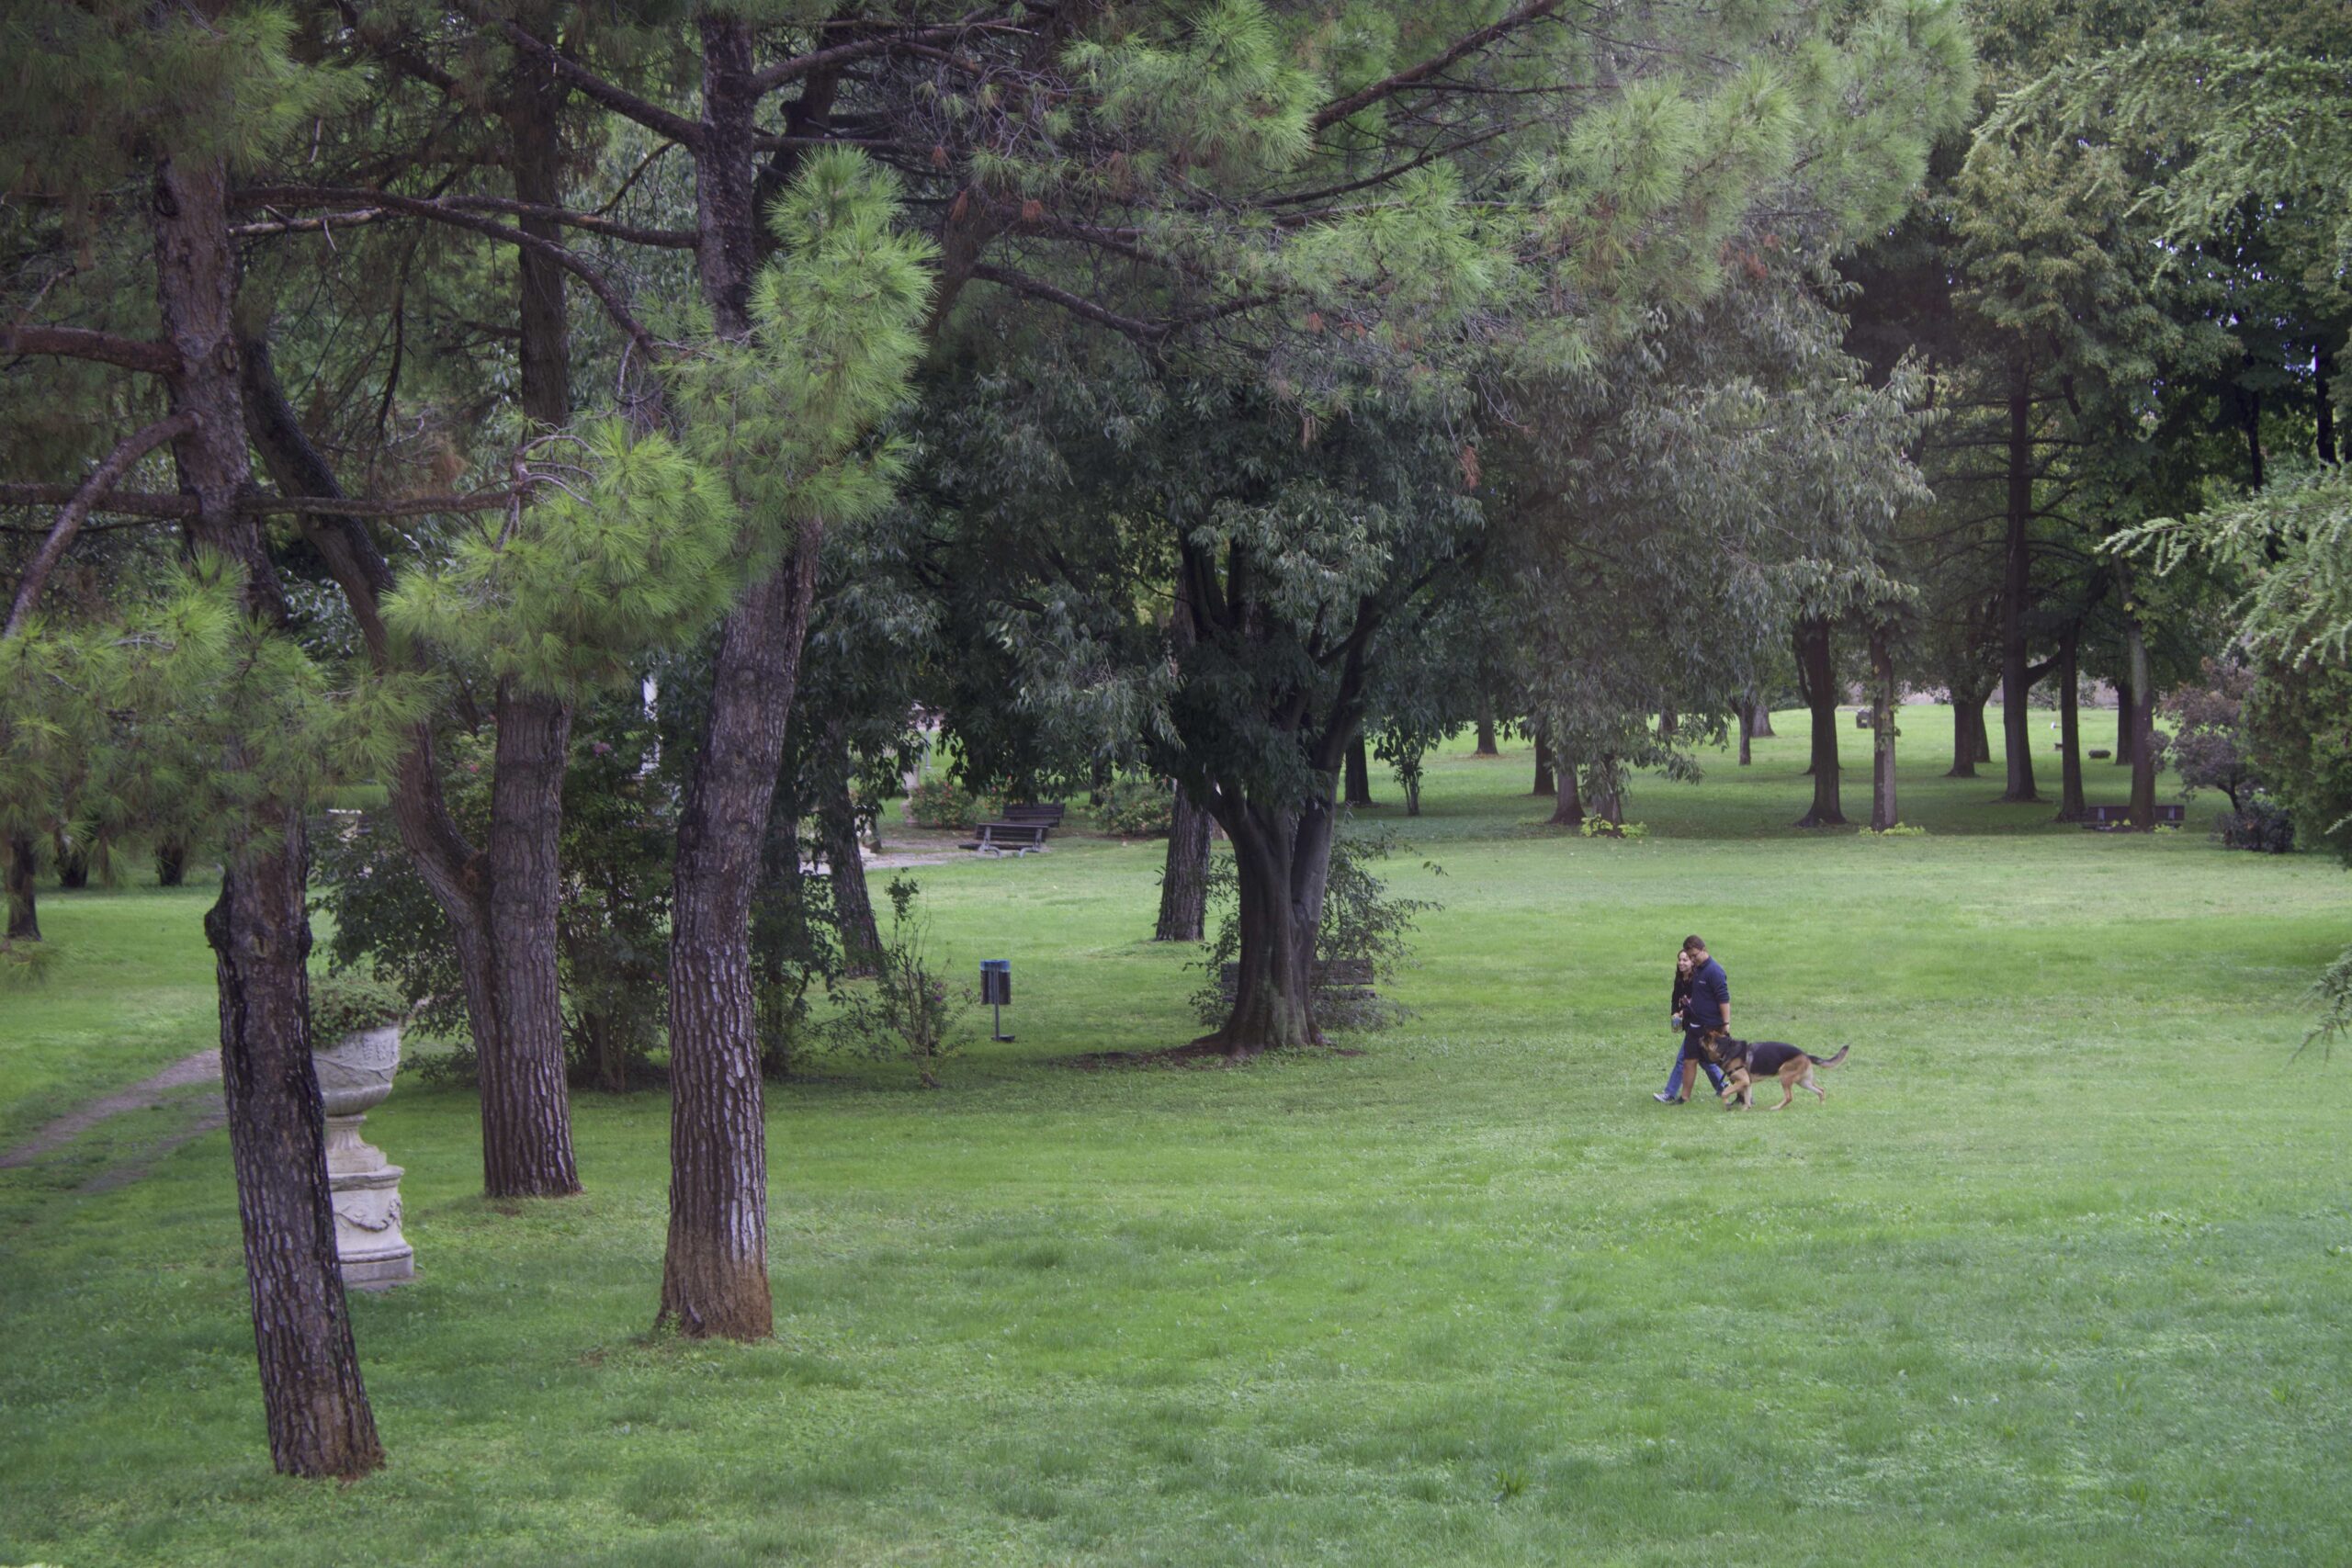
[1707,1008]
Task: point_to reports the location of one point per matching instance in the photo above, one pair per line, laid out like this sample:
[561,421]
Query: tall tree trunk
[1747,734]
[2127,710]
[2070,729]
[1485,747]
[2016,586]
[861,937]
[1544,784]
[2144,702]
[1883,733]
[1967,717]
[1184,885]
[312,1398]
[171,863]
[24,907]
[714,1267]
[1567,807]
[525,1103]
[72,866]
[1816,666]
[1668,721]
[1281,861]
[1759,721]
[1359,773]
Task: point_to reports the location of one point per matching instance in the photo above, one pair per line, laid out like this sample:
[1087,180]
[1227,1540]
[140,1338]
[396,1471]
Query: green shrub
[904,1010]
[1137,807]
[347,1004]
[940,802]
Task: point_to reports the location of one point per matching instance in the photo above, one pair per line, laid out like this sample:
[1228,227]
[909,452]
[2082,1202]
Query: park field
[2061,1274]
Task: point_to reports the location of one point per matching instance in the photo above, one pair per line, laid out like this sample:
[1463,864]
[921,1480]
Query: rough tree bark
[1359,773]
[714,1266]
[1760,720]
[1544,784]
[1883,735]
[2016,587]
[1817,669]
[1184,885]
[1485,746]
[1747,734]
[526,1104]
[315,1405]
[24,905]
[2070,729]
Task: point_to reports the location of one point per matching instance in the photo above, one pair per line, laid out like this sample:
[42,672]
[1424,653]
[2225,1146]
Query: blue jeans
[1691,1053]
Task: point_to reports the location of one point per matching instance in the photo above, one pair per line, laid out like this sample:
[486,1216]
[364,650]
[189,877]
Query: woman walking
[1702,1002]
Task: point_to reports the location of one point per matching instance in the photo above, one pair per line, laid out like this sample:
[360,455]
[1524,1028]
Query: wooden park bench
[1048,812]
[995,837]
[2107,818]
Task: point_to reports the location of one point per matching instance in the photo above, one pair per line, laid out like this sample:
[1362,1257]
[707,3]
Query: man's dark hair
[1694,945]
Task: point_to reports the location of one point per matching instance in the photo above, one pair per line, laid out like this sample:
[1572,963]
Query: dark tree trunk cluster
[1184,885]
[861,936]
[2070,729]
[1283,865]
[1567,805]
[1970,743]
[2143,754]
[1817,669]
[1359,773]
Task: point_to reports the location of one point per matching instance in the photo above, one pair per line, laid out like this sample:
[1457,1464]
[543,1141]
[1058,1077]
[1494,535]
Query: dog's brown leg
[1787,1085]
[1808,1081]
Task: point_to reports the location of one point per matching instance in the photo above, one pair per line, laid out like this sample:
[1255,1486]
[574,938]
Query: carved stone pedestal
[354,1075]
[367,1187]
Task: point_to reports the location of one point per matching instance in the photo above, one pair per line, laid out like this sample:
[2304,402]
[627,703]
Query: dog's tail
[1830,1061]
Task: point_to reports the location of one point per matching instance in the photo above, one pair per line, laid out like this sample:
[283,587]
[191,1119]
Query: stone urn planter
[354,1075]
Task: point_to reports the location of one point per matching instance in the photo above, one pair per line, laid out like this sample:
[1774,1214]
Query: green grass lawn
[2058,1276]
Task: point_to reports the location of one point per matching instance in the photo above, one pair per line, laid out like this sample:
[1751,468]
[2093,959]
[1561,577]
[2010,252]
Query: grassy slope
[2057,1275]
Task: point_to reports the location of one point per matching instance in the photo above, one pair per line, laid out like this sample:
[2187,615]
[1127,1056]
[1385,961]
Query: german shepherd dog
[1744,1061]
